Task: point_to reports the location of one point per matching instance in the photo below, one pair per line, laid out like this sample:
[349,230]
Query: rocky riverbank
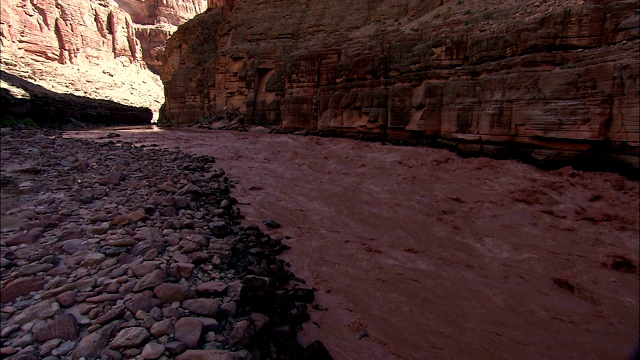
[113,251]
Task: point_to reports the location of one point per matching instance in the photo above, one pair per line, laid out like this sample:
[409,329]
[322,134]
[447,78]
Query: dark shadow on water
[49,108]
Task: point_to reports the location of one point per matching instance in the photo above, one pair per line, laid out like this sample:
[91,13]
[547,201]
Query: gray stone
[142,302]
[92,344]
[163,327]
[40,311]
[145,268]
[206,307]
[64,327]
[212,288]
[130,337]
[151,280]
[169,293]
[206,355]
[241,334]
[32,269]
[152,351]
[188,331]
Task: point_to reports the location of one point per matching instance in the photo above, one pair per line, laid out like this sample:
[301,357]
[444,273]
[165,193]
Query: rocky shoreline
[115,251]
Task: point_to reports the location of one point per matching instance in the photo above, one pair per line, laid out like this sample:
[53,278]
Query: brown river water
[417,253]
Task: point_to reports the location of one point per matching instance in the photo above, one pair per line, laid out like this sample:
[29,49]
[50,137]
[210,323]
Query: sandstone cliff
[91,48]
[155,21]
[84,48]
[495,77]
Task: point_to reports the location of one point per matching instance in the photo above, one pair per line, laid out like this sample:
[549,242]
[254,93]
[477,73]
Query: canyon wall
[155,21]
[547,80]
[66,31]
[93,49]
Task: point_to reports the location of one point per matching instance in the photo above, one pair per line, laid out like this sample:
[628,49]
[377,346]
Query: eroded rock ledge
[547,81]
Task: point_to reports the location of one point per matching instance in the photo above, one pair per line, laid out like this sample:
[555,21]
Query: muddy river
[417,253]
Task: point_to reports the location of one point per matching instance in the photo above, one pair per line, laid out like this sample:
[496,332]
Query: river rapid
[417,253]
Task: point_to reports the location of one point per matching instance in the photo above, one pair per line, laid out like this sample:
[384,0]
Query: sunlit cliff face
[97,49]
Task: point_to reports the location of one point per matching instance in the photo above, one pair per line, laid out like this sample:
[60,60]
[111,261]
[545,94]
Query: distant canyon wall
[68,32]
[556,78]
[97,49]
[155,21]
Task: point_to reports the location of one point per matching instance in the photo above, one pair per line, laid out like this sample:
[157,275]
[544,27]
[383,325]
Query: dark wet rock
[205,307]
[74,246]
[188,331]
[64,348]
[184,269]
[126,241]
[20,287]
[169,211]
[130,337]
[175,347]
[241,334]
[113,251]
[145,244]
[163,327]
[113,178]
[98,229]
[71,234]
[142,302]
[24,237]
[212,288]
[316,350]
[151,280]
[271,224]
[32,269]
[169,293]
[110,354]
[152,351]
[115,313]
[64,327]
[120,220]
[145,268]
[92,259]
[258,320]
[84,284]
[302,295]
[206,355]
[92,344]
[100,217]
[171,312]
[67,298]
[39,311]
[103,298]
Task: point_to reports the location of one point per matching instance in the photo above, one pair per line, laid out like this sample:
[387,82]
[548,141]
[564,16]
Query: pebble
[188,331]
[64,327]
[64,348]
[169,293]
[104,270]
[130,337]
[152,351]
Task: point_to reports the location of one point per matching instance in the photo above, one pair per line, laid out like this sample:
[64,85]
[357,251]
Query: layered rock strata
[155,21]
[543,80]
[84,48]
[135,252]
[91,48]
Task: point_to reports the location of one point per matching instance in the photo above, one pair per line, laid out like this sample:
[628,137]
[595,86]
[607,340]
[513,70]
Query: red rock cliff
[539,75]
[86,48]
[155,21]
[91,48]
